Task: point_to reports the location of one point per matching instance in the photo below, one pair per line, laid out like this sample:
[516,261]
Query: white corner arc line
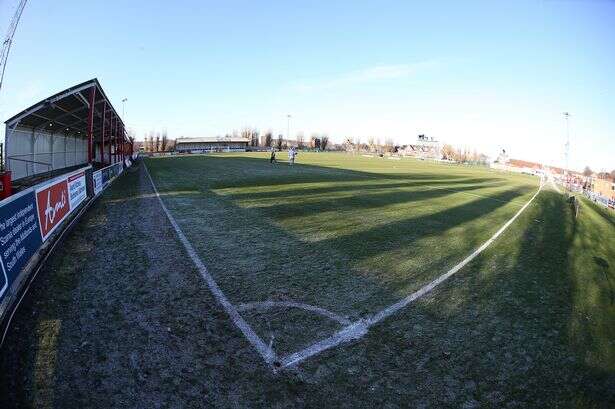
[359,328]
[263,349]
[265,305]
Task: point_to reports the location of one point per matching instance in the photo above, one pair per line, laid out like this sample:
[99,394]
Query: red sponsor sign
[75,176]
[53,206]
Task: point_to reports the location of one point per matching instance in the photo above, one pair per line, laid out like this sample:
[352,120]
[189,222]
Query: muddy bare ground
[120,318]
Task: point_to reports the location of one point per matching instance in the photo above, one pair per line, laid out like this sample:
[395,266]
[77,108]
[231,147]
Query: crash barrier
[31,221]
[596,198]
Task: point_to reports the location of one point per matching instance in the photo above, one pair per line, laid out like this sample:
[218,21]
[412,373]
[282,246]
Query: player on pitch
[272,158]
[291,156]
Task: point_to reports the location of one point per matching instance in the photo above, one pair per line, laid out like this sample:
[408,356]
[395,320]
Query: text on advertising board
[98,181]
[20,236]
[53,206]
[77,192]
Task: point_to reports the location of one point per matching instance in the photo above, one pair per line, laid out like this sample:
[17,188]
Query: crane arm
[8,40]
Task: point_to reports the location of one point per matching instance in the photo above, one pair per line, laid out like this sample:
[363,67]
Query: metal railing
[28,161]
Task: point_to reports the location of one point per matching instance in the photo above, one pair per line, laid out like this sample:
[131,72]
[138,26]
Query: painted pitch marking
[265,351]
[359,328]
[348,333]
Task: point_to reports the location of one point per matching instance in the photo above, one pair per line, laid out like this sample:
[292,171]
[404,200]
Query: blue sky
[485,75]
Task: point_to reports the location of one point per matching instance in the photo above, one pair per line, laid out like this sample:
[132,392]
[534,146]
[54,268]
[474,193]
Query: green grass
[355,234]
[349,234]
[528,323]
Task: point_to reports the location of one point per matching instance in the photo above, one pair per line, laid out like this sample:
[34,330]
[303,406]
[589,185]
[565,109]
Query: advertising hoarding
[53,206]
[98,181]
[77,191]
[20,236]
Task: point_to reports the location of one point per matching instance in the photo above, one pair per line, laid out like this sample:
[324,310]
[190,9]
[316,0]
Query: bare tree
[164,141]
[474,157]
[151,142]
[359,145]
[251,135]
[613,174]
[279,142]
[389,145]
[604,175]
[459,157]
[464,155]
[324,141]
[268,139]
[448,152]
[348,145]
[371,143]
[587,171]
[315,141]
[300,142]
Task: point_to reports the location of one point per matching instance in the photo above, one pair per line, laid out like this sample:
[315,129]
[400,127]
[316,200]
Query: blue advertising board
[111,172]
[98,181]
[20,236]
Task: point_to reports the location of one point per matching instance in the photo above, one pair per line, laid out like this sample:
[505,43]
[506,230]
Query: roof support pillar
[110,139]
[114,139]
[102,134]
[116,135]
[124,150]
[119,141]
[91,124]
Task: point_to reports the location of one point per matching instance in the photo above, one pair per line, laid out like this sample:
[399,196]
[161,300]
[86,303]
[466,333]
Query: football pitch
[310,256]
[343,281]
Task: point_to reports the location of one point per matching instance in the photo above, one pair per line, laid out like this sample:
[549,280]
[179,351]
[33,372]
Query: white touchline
[359,328]
[263,349]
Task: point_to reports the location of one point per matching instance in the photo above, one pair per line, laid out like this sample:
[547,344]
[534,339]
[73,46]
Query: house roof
[524,164]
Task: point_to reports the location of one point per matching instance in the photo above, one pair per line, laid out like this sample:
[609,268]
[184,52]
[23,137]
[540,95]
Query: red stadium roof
[68,110]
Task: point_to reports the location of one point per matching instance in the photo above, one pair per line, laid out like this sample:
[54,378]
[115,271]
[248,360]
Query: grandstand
[211,144]
[69,129]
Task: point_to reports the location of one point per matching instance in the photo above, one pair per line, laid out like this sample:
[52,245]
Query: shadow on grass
[245,245]
[219,172]
[360,201]
[295,263]
[405,232]
[431,182]
[539,318]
